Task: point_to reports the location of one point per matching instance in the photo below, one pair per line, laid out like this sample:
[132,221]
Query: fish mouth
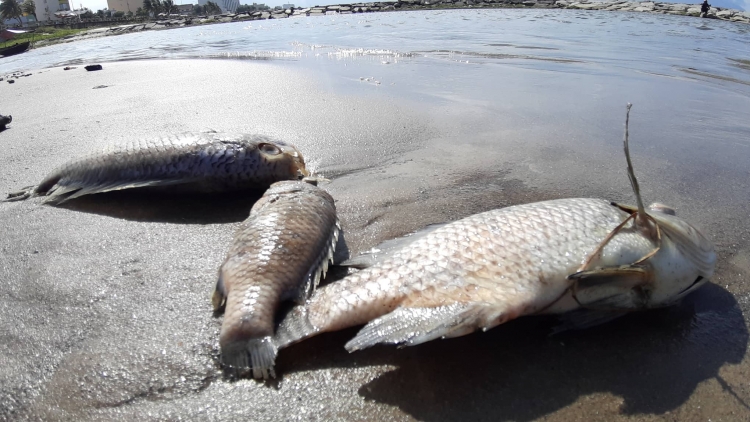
[298,163]
[696,284]
[302,172]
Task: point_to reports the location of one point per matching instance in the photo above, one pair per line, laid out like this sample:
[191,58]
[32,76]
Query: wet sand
[105,304]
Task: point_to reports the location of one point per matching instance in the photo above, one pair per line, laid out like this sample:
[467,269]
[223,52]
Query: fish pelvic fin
[412,326]
[295,327]
[258,355]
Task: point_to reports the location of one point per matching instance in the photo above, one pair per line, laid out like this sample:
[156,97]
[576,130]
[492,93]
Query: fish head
[286,155]
[685,261]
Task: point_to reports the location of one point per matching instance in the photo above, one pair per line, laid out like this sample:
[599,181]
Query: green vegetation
[29,7]
[159,6]
[210,8]
[41,33]
[10,9]
[250,8]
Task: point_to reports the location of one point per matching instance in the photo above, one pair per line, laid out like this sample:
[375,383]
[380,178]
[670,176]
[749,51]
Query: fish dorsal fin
[319,268]
[388,248]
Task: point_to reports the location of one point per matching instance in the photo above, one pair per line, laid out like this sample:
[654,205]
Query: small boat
[7,35]
[14,49]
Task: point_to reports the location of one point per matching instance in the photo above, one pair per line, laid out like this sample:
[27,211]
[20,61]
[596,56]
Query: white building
[227,6]
[45,9]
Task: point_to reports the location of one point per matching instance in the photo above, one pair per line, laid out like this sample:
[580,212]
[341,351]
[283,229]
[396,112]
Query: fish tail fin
[257,354]
[24,193]
[31,191]
[295,327]
[412,326]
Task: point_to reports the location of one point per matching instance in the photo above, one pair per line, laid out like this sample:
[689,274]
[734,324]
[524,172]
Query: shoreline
[678,9]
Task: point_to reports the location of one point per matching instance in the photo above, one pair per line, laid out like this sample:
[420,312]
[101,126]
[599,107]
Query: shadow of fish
[202,162]
[279,253]
[589,258]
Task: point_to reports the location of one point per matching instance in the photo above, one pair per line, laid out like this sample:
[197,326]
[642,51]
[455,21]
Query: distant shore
[680,9]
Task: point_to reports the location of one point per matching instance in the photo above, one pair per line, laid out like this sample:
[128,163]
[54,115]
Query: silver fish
[203,162]
[279,253]
[551,257]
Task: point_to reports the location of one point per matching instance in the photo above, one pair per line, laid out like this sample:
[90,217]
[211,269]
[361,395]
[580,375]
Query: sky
[102,4]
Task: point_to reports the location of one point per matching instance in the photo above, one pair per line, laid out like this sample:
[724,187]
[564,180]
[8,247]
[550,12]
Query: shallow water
[599,42]
[417,118]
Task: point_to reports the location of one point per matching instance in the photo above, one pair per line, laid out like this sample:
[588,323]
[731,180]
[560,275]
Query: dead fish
[202,162]
[551,257]
[279,253]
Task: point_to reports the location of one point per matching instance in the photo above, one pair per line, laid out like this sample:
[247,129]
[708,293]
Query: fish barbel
[279,253]
[551,257]
[201,162]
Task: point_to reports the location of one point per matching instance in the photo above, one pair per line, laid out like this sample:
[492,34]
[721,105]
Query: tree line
[12,9]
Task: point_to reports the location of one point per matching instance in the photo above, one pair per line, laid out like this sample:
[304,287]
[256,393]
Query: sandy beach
[105,309]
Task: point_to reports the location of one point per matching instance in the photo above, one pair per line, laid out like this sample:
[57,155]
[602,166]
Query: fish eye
[269,149]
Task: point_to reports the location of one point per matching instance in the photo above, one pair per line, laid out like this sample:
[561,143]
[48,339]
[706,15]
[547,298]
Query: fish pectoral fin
[411,326]
[219,298]
[612,288]
[581,319]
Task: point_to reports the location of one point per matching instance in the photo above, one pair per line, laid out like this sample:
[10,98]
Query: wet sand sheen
[107,314]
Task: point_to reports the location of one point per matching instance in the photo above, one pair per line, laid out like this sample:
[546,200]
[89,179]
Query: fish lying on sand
[586,256]
[279,253]
[201,162]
